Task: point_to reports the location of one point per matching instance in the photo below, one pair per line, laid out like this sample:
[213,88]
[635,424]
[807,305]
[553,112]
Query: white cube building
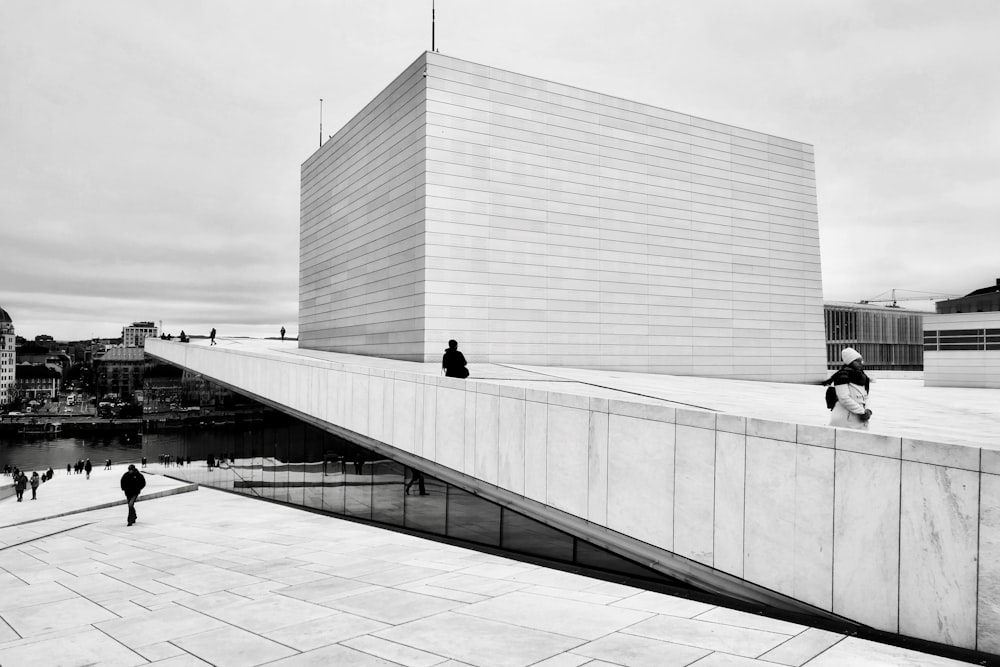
[542,224]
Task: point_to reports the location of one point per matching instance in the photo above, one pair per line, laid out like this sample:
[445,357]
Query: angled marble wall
[898,534]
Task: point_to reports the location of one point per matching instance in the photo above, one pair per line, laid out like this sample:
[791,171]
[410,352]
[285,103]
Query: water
[38,453]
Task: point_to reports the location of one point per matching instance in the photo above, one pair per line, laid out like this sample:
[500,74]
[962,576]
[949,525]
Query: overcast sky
[150,150]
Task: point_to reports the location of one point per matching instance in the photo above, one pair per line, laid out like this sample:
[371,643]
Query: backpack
[831,397]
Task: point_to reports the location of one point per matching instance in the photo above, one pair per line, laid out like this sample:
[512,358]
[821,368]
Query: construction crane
[922,296]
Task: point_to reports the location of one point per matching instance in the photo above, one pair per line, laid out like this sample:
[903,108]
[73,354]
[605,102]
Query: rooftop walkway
[207,577]
[901,407]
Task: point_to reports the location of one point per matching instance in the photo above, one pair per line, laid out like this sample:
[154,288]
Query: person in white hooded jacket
[852,386]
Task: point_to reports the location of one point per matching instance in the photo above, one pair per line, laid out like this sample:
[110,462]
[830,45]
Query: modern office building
[136,334]
[8,350]
[962,341]
[983,300]
[538,223]
[889,338]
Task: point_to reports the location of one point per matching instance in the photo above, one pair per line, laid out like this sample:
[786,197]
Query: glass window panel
[533,537]
[472,518]
[358,494]
[283,435]
[312,467]
[589,555]
[333,474]
[296,461]
[387,492]
[427,512]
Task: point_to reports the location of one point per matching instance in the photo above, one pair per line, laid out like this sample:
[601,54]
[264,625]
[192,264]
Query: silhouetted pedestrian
[34,485]
[143,461]
[453,362]
[107,464]
[20,484]
[418,477]
[132,484]
[69,468]
[282,333]
[211,336]
[87,468]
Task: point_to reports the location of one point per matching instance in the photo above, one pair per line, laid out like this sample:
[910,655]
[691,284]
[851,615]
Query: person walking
[211,336]
[453,362]
[851,384]
[133,482]
[34,485]
[20,484]
[87,467]
[282,334]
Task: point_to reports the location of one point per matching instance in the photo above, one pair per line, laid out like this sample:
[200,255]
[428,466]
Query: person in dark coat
[282,333]
[34,485]
[211,336]
[20,484]
[87,468]
[453,362]
[133,482]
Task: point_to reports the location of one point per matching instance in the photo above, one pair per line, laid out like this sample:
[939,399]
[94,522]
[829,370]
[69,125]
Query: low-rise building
[888,338]
[37,381]
[982,300]
[8,347]
[135,335]
[120,371]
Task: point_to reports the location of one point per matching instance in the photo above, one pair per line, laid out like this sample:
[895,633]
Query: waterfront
[39,452]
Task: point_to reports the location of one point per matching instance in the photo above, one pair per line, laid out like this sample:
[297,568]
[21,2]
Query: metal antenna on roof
[321,122]
[433,50]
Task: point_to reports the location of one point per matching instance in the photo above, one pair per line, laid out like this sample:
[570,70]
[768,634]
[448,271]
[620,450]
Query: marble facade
[898,534]
[540,223]
[963,367]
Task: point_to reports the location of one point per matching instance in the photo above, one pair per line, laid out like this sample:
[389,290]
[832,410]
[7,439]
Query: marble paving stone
[989,564]
[469,442]
[449,423]
[597,473]
[742,619]
[233,646]
[803,647]
[324,631]
[560,616]
[769,528]
[333,655]
[664,604]
[51,616]
[568,458]
[487,438]
[159,651]
[165,624]
[397,653]
[201,580]
[863,653]
[262,616]
[640,477]
[511,444]
[7,633]
[398,575]
[939,543]
[694,493]
[484,642]
[727,660]
[711,636]
[321,591]
[439,592]
[478,585]
[812,557]
[866,539]
[535,444]
[565,660]
[185,660]
[100,588]
[571,594]
[392,606]
[633,651]
[730,480]
[90,647]
[34,594]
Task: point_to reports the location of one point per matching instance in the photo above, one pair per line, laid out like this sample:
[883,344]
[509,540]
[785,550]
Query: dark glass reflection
[236,444]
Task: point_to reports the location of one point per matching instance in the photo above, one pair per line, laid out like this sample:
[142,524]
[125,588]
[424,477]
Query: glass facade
[240,445]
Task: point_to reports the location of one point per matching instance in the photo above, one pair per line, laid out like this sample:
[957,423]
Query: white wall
[361,231]
[902,535]
[962,368]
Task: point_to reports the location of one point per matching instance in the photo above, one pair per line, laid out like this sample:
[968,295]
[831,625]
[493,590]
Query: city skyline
[154,150]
